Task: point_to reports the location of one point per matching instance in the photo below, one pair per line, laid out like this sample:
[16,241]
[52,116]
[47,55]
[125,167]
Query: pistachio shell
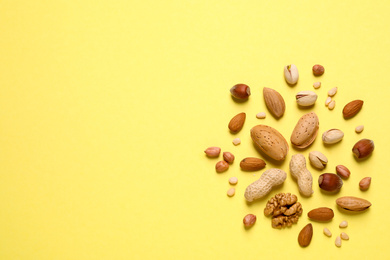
[332,136]
[318,160]
[306,130]
[306,98]
[270,141]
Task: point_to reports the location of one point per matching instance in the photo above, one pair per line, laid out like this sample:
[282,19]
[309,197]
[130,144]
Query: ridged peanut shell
[270,142]
[306,130]
[260,188]
[353,203]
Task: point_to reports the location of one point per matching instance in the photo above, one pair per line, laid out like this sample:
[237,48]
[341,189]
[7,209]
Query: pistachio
[291,74]
[306,98]
[332,136]
[318,160]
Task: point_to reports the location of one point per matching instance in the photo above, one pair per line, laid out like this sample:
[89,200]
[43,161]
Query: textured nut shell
[306,98]
[318,160]
[301,173]
[274,101]
[332,136]
[237,122]
[270,141]
[353,203]
[321,214]
[306,130]
[261,187]
[252,164]
[304,237]
[352,108]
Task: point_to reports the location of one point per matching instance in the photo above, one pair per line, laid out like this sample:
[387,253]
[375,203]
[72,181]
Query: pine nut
[231,192]
[327,232]
[233,180]
[343,224]
[236,141]
[344,236]
[261,115]
[332,105]
[338,241]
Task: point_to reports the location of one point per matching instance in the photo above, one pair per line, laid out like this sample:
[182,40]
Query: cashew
[301,173]
[261,187]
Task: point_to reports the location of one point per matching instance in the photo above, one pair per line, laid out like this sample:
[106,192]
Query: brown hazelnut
[343,171]
[318,70]
[363,148]
[249,220]
[240,91]
[330,182]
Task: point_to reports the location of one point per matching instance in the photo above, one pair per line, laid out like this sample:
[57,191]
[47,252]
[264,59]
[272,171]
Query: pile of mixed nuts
[284,208]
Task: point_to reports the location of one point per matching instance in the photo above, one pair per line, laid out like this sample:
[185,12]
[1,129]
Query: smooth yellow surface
[106,108]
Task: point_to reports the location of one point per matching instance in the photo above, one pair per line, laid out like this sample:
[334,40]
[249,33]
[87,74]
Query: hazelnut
[343,171]
[330,182]
[228,157]
[363,148]
[249,220]
[318,70]
[240,91]
[221,166]
[364,184]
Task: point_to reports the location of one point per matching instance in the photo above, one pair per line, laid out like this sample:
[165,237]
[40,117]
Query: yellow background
[106,108]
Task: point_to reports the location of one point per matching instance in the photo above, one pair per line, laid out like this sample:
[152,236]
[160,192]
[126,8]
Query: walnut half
[284,209]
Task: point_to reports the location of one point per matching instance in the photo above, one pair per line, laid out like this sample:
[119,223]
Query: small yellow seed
[344,236]
[332,105]
[327,232]
[338,241]
[327,101]
[231,192]
[236,141]
[317,85]
[233,180]
[359,129]
[332,92]
[261,115]
[343,224]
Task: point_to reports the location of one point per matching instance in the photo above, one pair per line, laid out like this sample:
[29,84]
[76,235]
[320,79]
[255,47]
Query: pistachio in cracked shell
[306,98]
[332,136]
[305,131]
[318,160]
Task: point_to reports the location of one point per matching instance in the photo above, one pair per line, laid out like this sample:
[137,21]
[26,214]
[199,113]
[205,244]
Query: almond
[321,214]
[252,164]
[270,142]
[237,122]
[306,130]
[274,101]
[353,203]
[352,108]
[305,235]
[365,183]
